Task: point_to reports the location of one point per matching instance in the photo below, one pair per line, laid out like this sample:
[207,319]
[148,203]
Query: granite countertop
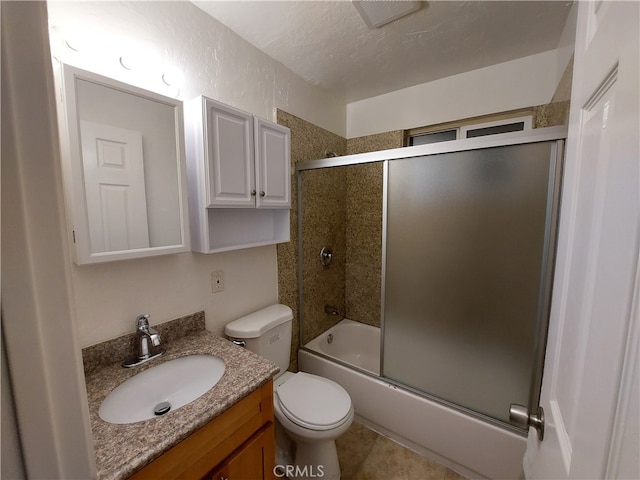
[121,450]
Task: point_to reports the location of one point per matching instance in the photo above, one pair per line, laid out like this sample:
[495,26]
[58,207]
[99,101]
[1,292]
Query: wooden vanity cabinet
[238,444]
[249,461]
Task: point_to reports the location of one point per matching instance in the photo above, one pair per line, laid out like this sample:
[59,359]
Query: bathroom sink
[163,388]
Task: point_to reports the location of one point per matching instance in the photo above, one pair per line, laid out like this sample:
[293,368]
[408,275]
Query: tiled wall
[308,142]
[373,143]
[343,210]
[557,111]
[363,272]
[324,225]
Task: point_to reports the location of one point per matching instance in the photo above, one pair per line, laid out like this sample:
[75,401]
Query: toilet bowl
[314,411]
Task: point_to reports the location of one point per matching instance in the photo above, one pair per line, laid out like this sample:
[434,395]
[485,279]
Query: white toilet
[314,411]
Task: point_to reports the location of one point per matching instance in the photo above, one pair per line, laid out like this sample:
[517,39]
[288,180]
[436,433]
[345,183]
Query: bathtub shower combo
[425,280]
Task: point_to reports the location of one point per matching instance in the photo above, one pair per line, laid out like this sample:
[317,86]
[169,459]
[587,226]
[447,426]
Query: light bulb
[173,77]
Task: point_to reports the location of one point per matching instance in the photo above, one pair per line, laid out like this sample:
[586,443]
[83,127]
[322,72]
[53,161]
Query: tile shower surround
[357,202]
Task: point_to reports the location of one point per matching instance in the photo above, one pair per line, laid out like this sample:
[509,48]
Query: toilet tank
[266,332]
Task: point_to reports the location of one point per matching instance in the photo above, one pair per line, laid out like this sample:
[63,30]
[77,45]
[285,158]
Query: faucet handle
[142,320]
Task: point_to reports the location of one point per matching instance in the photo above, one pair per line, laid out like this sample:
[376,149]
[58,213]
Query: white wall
[566,45]
[37,319]
[507,86]
[217,63]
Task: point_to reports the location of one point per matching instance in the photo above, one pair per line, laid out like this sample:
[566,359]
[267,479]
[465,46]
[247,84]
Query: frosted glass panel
[464,262]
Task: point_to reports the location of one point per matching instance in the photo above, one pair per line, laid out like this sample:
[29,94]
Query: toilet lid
[314,402]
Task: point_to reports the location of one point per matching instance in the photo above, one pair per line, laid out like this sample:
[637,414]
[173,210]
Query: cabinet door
[273,164]
[230,166]
[255,460]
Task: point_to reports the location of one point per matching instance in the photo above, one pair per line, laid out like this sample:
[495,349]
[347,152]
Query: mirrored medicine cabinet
[124,169]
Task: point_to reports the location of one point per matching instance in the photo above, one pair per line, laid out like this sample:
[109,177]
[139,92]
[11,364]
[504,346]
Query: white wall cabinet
[239,176]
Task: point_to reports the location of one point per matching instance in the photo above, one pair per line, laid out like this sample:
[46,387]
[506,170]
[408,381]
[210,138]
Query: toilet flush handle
[240,343]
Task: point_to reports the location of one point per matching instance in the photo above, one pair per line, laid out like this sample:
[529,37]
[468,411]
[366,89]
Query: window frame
[472,123]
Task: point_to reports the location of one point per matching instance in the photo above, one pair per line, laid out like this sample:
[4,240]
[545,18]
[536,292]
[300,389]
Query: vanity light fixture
[173,77]
[143,67]
[127,62]
[73,41]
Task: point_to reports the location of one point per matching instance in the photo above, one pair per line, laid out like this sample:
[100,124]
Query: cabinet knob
[253,193]
[262,194]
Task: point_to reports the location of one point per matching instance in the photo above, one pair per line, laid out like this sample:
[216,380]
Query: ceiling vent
[376,13]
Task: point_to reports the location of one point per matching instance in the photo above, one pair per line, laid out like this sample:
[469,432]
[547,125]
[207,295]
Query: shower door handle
[520,417]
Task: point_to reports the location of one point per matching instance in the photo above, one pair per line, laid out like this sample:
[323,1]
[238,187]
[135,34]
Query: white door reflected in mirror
[124,169]
[113,162]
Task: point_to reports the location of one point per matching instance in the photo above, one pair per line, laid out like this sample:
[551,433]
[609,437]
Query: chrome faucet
[147,341]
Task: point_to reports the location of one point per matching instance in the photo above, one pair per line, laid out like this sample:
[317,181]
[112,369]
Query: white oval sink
[176,382]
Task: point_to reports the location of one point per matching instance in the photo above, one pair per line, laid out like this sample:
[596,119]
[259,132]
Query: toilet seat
[314,402]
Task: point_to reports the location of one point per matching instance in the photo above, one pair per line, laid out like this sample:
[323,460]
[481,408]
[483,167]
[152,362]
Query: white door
[590,384]
[113,170]
[273,164]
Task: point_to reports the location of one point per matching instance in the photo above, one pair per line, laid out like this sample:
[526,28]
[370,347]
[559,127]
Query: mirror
[124,169]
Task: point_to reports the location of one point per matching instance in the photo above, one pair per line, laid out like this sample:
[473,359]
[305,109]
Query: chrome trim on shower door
[546,279]
[299,257]
[385,193]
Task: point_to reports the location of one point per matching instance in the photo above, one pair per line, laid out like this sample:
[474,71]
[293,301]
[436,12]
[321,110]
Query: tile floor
[366,455]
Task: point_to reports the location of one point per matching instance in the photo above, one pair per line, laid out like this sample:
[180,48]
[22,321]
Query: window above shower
[511,122]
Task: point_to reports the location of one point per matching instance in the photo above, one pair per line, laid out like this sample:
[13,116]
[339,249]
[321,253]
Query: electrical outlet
[217,281]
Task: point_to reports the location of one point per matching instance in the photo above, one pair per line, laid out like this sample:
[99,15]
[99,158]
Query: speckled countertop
[121,450]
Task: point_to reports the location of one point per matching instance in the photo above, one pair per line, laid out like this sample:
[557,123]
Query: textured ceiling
[328,43]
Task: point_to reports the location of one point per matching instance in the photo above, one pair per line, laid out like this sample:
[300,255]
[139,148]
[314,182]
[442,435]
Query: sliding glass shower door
[468,253]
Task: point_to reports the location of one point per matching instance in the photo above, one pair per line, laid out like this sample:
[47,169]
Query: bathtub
[351,342]
[471,446]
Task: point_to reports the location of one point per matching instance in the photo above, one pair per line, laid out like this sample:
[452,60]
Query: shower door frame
[550,134]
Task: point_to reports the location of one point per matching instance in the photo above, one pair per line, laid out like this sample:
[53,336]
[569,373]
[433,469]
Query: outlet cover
[217,281]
